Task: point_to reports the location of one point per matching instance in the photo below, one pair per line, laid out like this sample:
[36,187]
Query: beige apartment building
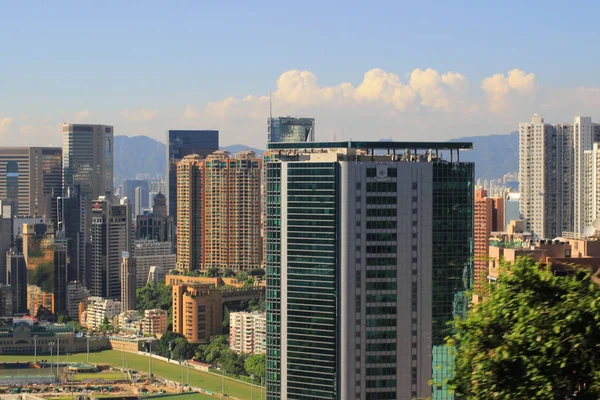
[155,322]
[197,311]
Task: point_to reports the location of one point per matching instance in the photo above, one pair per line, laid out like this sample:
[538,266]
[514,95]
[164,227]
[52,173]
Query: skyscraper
[88,159]
[291,129]
[156,225]
[189,212]
[231,198]
[369,257]
[136,190]
[179,145]
[61,255]
[6,238]
[31,179]
[72,220]
[16,277]
[111,235]
[128,281]
[551,174]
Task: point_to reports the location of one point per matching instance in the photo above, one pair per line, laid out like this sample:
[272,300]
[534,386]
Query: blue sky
[92,61]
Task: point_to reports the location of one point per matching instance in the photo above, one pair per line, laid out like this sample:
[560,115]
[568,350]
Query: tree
[164,344]
[228,272]
[212,271]
[106,325]
[255,365]
[257,272]
[154,295]
[535,337]
[242,276]
[226,316]
[232,362]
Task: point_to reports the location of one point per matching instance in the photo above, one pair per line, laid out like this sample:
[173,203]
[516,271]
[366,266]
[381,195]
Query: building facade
[291,129]
[31,179]
[189,212]
[369,257]
[76,293]
[197,311]
[150,253]
[247,332]
[16,277]
[128,281]
[180,144]
[155,322]
[489,217]
[111,235]
[552,175]
[97,309]
[72,221]
[156,225]
[6,301]
[231,204]
[88,159]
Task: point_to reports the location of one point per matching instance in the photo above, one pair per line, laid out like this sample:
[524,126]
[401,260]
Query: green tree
[255,365]
[232,363]
[242,276]
[212,271]
[535,337]
[168,342]
[228,272]
[154,295]
[225,317]
[106,325]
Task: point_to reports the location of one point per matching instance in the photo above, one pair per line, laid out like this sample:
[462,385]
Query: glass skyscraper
[291,129]
[181,144]
[369,256]
[88,159]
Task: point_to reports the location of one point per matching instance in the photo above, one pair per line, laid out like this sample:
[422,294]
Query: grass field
[204,380]
[107,376]
[189,396]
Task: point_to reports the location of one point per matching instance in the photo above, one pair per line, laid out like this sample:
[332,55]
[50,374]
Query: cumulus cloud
[501,88]
[141,115]
[5,124]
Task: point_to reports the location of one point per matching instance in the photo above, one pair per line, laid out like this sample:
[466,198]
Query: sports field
[204,380]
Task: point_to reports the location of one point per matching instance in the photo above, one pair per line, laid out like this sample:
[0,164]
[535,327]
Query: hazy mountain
[494,155]
[143,155]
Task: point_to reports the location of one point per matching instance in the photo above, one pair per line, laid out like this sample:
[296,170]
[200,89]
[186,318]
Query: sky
[364,70]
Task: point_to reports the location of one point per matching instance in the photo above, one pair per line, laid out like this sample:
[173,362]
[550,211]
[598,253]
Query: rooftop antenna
[270,106]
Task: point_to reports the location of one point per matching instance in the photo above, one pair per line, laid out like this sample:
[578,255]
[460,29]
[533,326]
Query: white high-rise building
[591,189]
[551,174]
[97,309]
[248,332]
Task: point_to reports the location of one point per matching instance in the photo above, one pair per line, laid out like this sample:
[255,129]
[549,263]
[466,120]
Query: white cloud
[5,124]
[501,88]
[141,115]
[82,115]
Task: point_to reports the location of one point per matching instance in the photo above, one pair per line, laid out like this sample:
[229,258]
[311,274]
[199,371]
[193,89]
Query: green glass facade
[452,261]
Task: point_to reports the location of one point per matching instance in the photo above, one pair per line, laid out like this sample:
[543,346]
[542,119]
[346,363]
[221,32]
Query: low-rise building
[247,332]
[129,322]
[197,311]
[155,322]
[133,343]
[97,309]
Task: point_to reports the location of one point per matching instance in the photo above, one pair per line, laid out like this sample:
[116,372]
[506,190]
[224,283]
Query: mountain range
[494,155]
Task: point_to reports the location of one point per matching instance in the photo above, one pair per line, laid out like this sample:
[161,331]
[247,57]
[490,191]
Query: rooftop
[379,145]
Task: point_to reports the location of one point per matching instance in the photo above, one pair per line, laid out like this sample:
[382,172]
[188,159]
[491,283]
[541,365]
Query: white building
[128,322]
[247,332]
[551,174]
[148,253]
[157,274]
[97,309]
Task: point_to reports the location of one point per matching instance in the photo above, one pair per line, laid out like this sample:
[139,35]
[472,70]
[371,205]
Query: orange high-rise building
[489,217]
[219,222]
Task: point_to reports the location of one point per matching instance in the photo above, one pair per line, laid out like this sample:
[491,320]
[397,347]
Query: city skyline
[345,74]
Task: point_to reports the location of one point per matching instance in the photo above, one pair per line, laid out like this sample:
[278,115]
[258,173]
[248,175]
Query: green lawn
[204,380]
[107,376]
